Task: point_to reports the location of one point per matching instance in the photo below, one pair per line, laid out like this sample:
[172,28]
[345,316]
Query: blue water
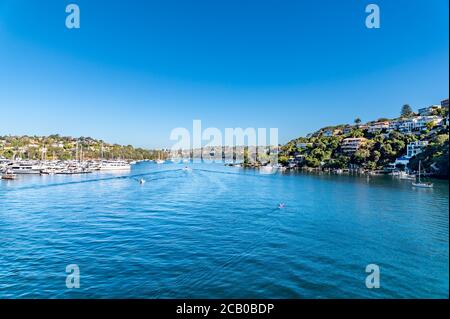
[216,232]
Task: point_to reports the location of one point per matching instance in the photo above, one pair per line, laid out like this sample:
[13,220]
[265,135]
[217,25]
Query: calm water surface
[217,232]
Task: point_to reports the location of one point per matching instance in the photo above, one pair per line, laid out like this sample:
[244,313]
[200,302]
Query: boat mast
[419,170]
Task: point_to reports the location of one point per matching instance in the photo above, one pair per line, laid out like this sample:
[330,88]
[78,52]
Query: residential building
[421,122]
[378,126]
[404,160]
[394,126]
[417,123]
[412,149]
[363,127]
[429,110]
[303,145]
[327,133]
[347,129]
[406,126]
[415,148]
[444,103]
[352,144]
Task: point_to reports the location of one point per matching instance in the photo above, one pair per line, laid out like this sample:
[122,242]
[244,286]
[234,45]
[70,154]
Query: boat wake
[94,180]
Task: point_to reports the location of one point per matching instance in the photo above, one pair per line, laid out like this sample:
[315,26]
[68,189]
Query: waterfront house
[352,144]
[412,149]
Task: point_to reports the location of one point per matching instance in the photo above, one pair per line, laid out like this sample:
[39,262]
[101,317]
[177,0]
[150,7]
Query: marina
[62,167]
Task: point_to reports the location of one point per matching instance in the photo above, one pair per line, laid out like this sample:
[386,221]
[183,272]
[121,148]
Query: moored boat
[24,168]
[421,184]
[114,166]
[9,175]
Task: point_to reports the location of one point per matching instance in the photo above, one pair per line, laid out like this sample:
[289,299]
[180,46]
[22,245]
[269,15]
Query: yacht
[24,168]
[114,166]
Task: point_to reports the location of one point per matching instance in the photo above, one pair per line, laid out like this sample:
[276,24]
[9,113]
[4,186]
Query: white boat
[49,171]
[114,166]
[24,168]
[268,169]
[160,161]
[421,184]
[9,175]
[404,175]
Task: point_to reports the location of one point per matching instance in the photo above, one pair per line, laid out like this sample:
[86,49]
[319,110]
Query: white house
[412,149]
[429,110]
[422,121]
[415,148]
[417,123]
[352,144]
[378,126]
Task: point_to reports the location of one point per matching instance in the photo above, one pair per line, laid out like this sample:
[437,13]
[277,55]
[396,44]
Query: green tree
[430,125]
[406,111]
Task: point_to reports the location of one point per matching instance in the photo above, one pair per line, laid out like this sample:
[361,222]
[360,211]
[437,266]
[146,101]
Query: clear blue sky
[137,69]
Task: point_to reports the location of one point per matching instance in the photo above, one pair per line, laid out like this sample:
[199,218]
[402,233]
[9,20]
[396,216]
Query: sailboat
[421,184]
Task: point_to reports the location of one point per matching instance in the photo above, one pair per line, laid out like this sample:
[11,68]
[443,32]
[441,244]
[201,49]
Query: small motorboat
[9,175]
[281,205]
[187,169]
[142,181]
